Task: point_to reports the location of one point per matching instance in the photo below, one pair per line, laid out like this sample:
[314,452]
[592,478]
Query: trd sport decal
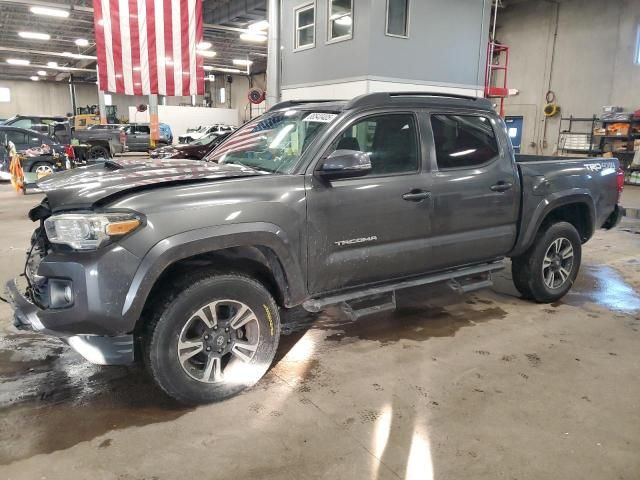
[343,243]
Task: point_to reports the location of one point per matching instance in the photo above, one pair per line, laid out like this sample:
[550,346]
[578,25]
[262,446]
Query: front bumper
[98,349]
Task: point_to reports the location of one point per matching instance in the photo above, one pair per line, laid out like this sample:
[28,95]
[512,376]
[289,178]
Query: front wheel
[212,340]
[547,271]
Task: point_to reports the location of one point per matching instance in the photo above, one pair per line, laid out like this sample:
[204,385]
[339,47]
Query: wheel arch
[578,209]
[263,254]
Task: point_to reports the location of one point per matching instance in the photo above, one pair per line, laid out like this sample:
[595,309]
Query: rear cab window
[463,140]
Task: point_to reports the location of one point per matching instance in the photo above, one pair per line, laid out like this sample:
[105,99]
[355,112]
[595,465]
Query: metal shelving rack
[571,141]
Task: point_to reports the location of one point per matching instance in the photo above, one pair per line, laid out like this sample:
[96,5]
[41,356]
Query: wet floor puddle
[604,286]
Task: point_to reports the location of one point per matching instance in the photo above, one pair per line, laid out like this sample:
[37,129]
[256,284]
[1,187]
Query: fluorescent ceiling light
[205,53]
[252,37]
[260,26]
[244,63]
[52,12]
[52,64]
[208,68]
[204,46]
[35,78]
[35,35]
[79,56]
[345,21]
[42,73]
[82,42]
[17,61]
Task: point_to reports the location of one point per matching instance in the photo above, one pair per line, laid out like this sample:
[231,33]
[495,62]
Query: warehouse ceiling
[224,21]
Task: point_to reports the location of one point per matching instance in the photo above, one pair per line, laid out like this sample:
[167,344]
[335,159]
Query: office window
[398,18]
[340,19]
[637,59]
[305,27]
[5,95]
[463,141]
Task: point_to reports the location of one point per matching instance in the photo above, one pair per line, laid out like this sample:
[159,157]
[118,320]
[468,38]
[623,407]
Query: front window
[305,27]
[273,142]
[340,19]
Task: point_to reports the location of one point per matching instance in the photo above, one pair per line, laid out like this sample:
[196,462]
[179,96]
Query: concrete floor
[483,386]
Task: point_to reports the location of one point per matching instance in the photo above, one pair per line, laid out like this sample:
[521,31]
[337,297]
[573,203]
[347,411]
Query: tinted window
[22,123]
[463,140]
[390,140]
[18,138]
[143,129]
[37,141]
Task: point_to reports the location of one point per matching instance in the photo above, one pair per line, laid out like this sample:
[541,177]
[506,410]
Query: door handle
[416,195]
[502,186]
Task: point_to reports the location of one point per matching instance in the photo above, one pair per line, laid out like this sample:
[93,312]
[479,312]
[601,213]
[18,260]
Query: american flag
[249,137]
[149,46]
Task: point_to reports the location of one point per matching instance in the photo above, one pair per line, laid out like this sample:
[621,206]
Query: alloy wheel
[557,263]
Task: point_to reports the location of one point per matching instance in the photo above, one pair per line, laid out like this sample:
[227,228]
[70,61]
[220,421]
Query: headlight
[89,231]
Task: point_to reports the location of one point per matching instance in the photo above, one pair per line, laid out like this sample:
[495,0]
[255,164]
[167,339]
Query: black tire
[170,324]
[42,166]
[527,269]
[97,152]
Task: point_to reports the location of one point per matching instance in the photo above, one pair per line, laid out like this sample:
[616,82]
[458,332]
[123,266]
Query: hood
[87,186]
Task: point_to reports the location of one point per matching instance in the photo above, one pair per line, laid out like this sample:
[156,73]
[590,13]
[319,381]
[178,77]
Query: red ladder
[497,60]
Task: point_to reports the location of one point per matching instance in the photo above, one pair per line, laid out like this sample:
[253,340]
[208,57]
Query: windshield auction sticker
[320,117]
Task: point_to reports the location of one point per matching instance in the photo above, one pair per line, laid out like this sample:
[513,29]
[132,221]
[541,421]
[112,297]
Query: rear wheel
[547,271]
[96,152]
[42,168]
[212,340]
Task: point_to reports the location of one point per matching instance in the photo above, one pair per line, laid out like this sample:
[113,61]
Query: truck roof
[370,100]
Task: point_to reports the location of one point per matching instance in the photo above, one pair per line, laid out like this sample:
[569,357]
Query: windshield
[273,142]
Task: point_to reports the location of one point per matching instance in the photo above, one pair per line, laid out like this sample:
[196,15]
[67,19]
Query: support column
[102,105]
[153,120]
[273,54]
[72,94]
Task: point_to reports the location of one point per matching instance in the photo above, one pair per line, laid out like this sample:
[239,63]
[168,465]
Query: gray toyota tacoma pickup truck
[187,265]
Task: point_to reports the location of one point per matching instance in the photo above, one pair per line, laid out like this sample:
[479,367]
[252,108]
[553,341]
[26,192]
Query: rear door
[365,230]
[475,191]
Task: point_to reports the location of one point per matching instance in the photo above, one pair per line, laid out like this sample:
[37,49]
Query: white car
[204,131]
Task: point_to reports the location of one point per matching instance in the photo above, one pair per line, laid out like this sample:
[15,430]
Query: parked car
[39,123]
[203,131]
[195,150]
[138,136]
[23,140]
[96,142]
[311,204]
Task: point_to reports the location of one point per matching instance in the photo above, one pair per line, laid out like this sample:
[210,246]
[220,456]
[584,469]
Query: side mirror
[345,164]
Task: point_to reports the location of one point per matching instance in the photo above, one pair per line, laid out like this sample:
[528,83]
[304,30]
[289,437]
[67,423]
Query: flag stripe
[136,69]
[102,60]
[149,46]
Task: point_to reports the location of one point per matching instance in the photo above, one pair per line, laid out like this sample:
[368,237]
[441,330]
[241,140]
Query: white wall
[44,98]
[182,118]
[592,64]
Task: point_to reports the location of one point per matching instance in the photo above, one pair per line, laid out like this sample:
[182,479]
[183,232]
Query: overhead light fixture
[79,56]
[42,73]
[51,12]
[205,53]
[52,64]
[253,37]
[17,61]
[208,68]
[35,78]
[244,63]
[204,46]
[82,42]
[260,26]
[227,70]
[35,35]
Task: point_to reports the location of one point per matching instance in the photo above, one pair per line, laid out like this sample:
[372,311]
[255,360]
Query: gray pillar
[103,107]
[153,120]
[273,54]
[72,94]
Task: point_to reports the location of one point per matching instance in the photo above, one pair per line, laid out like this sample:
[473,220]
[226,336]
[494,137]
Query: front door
[368,229]
[476,192]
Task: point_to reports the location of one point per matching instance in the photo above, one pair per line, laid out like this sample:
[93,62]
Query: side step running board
[456,276]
